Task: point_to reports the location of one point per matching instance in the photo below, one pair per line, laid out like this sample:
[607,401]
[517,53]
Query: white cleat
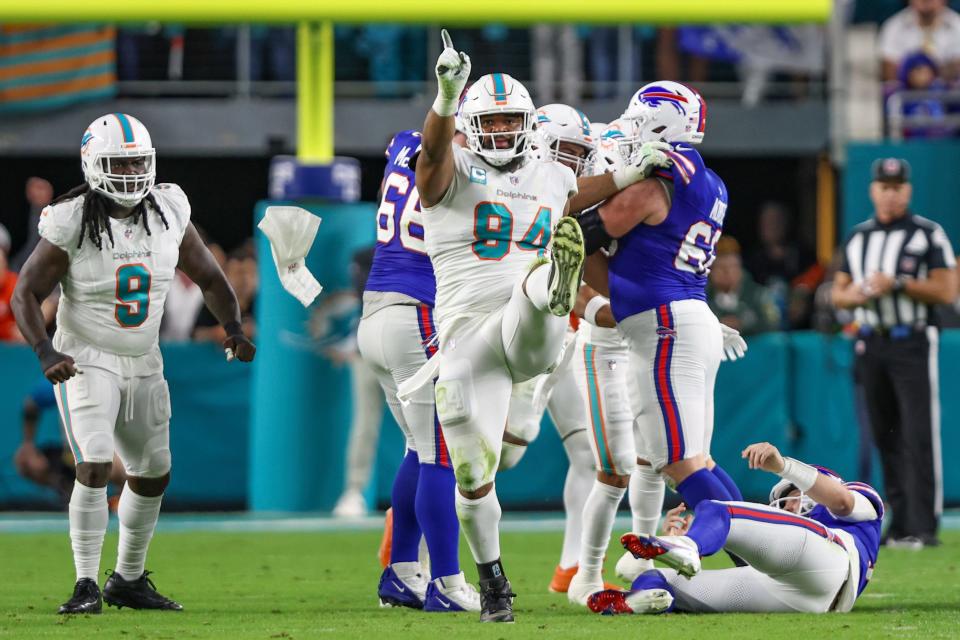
[678,552]
[581,589]
[629,568]
[350,505]
[649,600]
[567,254]
[450,594]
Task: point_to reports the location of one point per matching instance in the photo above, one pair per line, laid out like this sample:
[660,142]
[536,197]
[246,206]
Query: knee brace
[474,460]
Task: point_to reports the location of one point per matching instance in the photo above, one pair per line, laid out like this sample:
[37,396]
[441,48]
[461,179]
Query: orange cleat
[562,577]
[386,542]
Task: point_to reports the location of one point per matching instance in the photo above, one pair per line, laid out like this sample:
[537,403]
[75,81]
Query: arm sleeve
[867,504]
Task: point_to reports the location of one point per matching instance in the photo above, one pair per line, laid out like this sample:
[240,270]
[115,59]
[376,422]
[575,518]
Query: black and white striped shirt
[910,246]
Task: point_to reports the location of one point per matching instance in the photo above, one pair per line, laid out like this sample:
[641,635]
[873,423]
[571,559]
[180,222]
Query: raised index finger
[447,40]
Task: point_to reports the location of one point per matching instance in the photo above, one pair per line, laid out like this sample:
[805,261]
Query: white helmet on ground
[109,145]
[497,93]
[558,123]
[667,111]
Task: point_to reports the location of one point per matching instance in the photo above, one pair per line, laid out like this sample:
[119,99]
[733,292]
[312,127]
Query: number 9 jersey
[112,299]
[657,264]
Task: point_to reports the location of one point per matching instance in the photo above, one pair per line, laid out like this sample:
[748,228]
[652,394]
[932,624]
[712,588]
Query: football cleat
[629,568]
[136,594]
[496,600]
[566,266]
[351,504]
[451,593]
[395,591]
[615,602]
[86,598]
[562,577]
[678,552]
[579,589]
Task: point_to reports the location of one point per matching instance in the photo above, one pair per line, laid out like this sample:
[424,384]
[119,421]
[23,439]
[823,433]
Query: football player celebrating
[397,334]
[812,550]
[113,245]
[490,213]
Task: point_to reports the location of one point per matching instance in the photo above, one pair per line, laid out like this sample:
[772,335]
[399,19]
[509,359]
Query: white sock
[598,515]
[575,490]
[88,524]
[138,518]
[480,521]
[537,287]
[646,499]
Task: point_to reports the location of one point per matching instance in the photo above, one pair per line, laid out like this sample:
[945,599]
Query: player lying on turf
[812,550]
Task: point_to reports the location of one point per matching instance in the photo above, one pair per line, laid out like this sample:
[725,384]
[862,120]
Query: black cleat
[496,600]
[86,598]
[136,594]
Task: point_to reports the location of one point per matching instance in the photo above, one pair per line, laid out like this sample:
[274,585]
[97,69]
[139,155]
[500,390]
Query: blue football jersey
[657,264]
[400,261]
[866,534]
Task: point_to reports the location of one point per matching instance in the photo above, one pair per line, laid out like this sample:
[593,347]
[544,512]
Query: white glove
[291,231]
[734,346]
[641,164]
[453,71]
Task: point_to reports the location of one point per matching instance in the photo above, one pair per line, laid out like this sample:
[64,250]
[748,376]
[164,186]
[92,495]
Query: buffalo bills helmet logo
[666,332]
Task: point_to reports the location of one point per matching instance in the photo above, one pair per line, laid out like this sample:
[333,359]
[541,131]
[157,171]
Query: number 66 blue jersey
[657,264]
[400,261]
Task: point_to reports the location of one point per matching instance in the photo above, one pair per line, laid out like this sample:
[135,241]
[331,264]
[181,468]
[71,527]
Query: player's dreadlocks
[96,215]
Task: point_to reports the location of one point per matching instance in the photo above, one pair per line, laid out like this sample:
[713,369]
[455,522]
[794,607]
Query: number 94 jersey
[488,228]
[657,264]
[113,298]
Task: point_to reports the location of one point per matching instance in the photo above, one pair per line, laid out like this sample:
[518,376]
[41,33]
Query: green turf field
[323,585]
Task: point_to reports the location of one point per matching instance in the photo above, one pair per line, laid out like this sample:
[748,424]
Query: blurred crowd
[185,317]
[920,51]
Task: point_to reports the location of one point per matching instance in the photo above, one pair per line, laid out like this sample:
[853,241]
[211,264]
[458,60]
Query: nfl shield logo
[908,263]
[514,180]
[128,233]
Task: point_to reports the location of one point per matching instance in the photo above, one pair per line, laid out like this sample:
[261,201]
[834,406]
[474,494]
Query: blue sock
[702,485]
[406,531]
[653,579]
[728,482]
[710,528]
[437,515]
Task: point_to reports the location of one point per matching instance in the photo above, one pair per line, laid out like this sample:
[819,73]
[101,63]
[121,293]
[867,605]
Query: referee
[896,266]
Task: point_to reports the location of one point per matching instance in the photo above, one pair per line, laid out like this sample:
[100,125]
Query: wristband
[593,307]
[799,474]
[443,106]
[233,328]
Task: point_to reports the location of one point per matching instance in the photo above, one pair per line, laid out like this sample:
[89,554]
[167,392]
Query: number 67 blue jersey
[400,261]
[658,264]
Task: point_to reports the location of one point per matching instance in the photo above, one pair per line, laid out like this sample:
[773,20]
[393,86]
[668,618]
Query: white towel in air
[291,231]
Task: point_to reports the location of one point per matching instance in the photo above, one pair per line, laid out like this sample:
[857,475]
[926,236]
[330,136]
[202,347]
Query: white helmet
[613,145]
[112,138]
[780,492]
[497,93]
[667,111]
[558,123]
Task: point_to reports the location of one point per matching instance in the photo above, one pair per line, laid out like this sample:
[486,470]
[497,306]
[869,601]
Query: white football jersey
[487,230]
[113,298]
